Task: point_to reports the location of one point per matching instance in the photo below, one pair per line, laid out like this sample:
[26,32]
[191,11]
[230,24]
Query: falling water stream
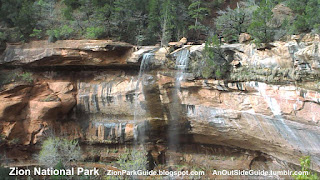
[182,60]
[139,131]
[279,123]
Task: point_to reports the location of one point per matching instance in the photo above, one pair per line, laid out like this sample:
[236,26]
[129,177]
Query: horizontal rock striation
[68,52]
[112,106]
[282,121]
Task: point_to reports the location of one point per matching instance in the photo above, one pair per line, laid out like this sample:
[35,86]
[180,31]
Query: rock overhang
[100,53]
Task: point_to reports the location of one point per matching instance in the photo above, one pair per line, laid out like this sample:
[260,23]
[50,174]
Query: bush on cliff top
[214,63]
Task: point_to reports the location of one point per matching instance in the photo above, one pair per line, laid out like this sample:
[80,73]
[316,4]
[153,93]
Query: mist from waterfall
[182,60]
[139,129]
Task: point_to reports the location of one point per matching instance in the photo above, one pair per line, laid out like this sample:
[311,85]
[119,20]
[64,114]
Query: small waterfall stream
[280,123]
[182,60]
[139,132]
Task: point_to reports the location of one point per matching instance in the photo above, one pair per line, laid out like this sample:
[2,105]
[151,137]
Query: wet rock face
[113,102]
[107,106]
[281,121]
[113,106]
[253,115]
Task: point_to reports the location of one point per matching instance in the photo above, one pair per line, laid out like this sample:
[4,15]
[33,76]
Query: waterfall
[139,132]
[279,123]
[182,60]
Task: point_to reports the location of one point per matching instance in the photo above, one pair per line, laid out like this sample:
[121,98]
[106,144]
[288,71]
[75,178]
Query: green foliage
[214,63]
[306,11]
[18,14]
[197,13]
[218,3]
[73,4]
[140,39]
[46,14]
[233,22]
[147,22]
[167,20]
[153,19]
[55,150]
[260,28]
[115,178]
[59,165]
[63,32]
[135,159]
[305,166]
[4,174]
[133,21]
[37,33]
[2,36]
[209,52]
[26,77]
[15,76]
[95,32]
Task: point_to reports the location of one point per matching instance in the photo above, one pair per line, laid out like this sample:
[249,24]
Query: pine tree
[197,13]
[153,20]
[180,20]
[233,22]
[166,22]
[260,27]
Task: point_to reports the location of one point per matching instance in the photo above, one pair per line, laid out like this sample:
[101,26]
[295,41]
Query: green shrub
[6,78]
[232,22]
[2,36]
[59,177]
[14,35]
[94,32]
[60,33]
[37,33]
[56,150]
[214,63]
[305,11]
[260,27]
[135,159]
[197,12]
[14,76]
[27,77]
[130,160]
[140,39]
[218,3]
[3,39]
[53,34]
[66,31]
[4,174]
[305,166]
